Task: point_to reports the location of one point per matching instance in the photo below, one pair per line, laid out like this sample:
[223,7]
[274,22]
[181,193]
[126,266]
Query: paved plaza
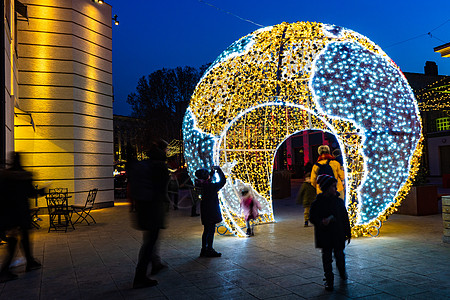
[408,260]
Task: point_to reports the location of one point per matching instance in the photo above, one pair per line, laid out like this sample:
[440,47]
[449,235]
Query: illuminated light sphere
[283,79]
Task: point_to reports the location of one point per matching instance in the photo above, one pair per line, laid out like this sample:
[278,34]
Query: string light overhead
[435,97]
[283,79]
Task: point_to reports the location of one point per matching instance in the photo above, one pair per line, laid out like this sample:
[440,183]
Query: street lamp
[116,22]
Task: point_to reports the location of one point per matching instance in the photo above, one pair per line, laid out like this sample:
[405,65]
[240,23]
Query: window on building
[443,124]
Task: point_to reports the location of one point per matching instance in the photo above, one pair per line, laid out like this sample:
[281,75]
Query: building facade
[60,111]
[8,76]
[432,93]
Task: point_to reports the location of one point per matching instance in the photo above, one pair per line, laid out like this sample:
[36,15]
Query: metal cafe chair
[84,211]
[34,217]
[59,212]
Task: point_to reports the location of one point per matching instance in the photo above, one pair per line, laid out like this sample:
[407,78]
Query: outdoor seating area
[84,211]
[34,217]
[60,212]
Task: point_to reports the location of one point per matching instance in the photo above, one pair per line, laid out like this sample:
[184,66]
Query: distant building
[59,94]
[444,50]
[432,91]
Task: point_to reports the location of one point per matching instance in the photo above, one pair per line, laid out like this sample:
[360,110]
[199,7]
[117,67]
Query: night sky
[169,33]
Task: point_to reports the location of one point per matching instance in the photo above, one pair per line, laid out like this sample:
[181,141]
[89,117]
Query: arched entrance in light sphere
[286,78]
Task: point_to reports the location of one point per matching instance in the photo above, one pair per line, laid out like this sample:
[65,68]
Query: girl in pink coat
[250,207]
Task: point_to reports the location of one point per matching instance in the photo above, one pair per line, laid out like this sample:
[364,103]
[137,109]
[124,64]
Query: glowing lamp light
[116,22]
[283,79]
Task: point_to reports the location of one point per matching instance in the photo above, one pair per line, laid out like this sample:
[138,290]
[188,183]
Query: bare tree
[161,99]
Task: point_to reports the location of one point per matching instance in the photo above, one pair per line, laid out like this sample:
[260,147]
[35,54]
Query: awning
[24,116]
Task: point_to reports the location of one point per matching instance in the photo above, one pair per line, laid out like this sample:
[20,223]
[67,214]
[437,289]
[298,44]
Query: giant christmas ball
[283,79]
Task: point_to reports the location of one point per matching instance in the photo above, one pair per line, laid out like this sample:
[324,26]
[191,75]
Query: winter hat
[324,149]
[202,174]
[325,181]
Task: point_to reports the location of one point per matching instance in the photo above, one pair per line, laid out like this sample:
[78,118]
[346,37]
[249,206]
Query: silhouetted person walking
[148,180]
[210,213]
[15,219]
[331,228]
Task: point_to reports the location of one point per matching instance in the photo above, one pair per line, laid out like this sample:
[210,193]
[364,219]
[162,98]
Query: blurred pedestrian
[148,184]
[306,196]
[331,228]
[209,207]
[174,189]
[195,200]
[308,167]
[250,207]
[15,218]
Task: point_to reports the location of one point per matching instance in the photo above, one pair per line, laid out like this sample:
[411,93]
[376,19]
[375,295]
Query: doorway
[295,157]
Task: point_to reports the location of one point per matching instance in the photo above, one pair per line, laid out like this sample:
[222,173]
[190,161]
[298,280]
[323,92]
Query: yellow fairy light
[283,79]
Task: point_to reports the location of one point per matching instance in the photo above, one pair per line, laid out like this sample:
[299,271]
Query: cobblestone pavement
[408,260]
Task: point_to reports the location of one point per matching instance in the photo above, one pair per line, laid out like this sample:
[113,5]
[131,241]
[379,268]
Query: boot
[329,284]
[212,253]
[306,223]
[142,281]
[33,264]
[249,232]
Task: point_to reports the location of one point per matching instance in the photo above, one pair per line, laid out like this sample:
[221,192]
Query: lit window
[443,124]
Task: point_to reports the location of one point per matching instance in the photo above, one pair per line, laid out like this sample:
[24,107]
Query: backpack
[325,169]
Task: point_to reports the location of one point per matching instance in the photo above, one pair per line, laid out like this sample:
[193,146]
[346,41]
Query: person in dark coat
[148,186]
[15,219]
[209,207]
[331,228]
[174,189]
